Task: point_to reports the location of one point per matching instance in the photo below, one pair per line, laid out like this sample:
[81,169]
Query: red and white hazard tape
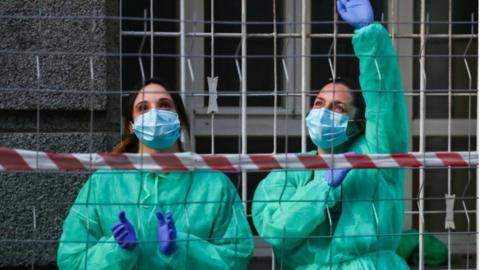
[25,160]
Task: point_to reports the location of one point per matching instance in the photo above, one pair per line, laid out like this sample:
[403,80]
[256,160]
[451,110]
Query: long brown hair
[130,142]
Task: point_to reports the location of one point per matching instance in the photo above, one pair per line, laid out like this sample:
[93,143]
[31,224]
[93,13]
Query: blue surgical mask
[157,129]
[327,128]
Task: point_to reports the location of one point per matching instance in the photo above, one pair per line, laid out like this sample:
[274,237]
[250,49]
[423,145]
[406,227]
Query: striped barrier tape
[26,160]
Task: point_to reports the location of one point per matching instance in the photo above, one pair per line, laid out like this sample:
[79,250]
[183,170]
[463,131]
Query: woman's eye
[142,108]
[339,109]
[165,106]
[318,103]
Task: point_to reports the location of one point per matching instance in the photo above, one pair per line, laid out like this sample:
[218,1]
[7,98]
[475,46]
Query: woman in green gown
[138,219]
[344,219]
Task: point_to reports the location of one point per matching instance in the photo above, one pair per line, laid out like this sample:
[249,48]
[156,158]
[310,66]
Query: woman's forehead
[338,91]
[152,92]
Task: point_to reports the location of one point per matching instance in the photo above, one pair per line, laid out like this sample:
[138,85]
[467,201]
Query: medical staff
[138,219]
[340,219]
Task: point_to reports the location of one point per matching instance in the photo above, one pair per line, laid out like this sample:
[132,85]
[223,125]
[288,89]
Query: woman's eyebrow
[338,102]
[164,99]
[141,103]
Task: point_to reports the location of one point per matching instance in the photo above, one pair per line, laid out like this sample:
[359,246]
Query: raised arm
[387,129]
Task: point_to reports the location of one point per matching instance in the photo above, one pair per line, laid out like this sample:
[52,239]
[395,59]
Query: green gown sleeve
[83,244]
[288,206]
[386,111]
[231,243]
[372,210]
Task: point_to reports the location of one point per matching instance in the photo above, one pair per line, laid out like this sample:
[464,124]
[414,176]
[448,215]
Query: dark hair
[130,142]
[358,100]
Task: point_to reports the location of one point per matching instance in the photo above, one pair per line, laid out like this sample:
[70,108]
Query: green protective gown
[212,231]
[357,225]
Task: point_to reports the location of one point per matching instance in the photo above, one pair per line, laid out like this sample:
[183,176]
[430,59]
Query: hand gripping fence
[26,160]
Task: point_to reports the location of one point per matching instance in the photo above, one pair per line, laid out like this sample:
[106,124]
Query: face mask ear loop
[132,127]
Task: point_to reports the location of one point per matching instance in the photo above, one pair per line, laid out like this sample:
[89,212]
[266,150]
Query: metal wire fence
[247,72]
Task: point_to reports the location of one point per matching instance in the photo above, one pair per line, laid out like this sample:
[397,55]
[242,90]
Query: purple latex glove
[335,177]
[166,233]
[358,13]
[124,233]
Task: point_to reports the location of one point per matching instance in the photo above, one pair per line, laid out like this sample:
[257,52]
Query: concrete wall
[63,99]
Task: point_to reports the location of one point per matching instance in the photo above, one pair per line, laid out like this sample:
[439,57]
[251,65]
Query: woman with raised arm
[341,219]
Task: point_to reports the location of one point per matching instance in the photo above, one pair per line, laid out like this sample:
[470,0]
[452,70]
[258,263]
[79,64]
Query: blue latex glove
[124,233]
[358,13]
[166,233]
[335,177]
